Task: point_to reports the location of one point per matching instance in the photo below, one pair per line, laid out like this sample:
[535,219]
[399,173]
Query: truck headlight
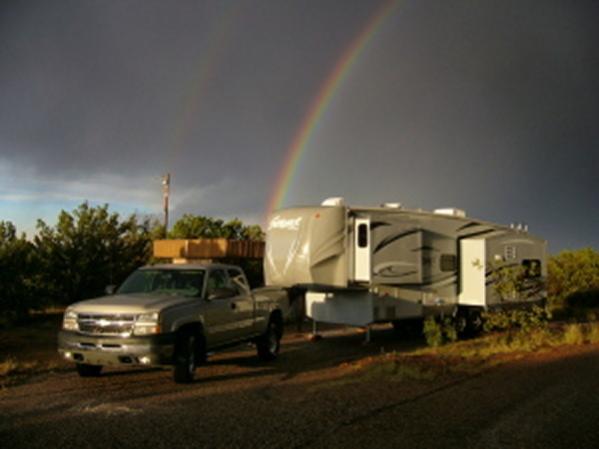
[69,321]
[147,324]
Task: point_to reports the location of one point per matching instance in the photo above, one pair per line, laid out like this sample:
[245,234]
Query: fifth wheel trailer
[363,265]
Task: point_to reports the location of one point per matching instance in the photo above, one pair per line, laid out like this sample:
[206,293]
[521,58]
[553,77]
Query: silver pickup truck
[172,315]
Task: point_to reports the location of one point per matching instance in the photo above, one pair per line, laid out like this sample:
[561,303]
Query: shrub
[574,334]
[18,274]
[524,320]
[573,279]
[439,331]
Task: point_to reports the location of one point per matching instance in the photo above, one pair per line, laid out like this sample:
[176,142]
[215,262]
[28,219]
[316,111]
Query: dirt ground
[314,395]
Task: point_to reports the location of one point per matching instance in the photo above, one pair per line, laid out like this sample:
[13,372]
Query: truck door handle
[233,305]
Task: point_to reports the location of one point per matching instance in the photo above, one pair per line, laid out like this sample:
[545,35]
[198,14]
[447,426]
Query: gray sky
[487,106]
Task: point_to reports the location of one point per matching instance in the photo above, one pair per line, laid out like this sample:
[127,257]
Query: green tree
[197,226]
[18,273]
[573,276]
[89,249]
[508,281]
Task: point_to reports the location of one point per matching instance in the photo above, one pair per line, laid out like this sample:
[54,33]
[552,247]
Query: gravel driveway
[307,399]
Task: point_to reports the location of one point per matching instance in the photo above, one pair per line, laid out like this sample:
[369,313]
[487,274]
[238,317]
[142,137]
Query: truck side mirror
[110,289]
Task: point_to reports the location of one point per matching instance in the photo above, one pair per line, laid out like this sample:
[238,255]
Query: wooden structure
[188,250]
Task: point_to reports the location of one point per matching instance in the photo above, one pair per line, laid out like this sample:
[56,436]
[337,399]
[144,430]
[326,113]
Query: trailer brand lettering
[289,224]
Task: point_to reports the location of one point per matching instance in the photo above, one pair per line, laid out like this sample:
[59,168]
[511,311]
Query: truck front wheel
[269,343]
[185,358]
[86,370]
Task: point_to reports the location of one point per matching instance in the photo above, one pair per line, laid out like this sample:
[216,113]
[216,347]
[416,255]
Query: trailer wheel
[87,370]
[460,323]
[269,343]
[475,323]
[186,352]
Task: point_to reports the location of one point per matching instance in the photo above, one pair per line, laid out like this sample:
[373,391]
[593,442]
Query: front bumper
[154,350]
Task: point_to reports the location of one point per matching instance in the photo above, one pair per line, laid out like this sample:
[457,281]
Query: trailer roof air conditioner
[334,201]
[451,211]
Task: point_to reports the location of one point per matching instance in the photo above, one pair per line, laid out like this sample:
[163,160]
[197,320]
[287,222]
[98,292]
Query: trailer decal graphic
[392,238]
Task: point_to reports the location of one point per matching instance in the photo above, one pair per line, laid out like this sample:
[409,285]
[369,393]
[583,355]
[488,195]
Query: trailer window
[509,252]
[449,262]
[532,268]
[362,235]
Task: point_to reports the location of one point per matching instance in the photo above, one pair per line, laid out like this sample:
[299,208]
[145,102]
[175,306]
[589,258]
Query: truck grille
[109,325]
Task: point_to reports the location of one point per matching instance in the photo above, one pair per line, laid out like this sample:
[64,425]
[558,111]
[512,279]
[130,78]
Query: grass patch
[11,367]
[30,349]
[471,356]
[574,334]
[396,369]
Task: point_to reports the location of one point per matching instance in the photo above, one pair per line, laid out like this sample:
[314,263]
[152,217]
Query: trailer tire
[87,370]
[186,357]
[475,323]
[460,323]
[269,343]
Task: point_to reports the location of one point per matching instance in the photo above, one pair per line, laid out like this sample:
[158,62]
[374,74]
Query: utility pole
[166,187]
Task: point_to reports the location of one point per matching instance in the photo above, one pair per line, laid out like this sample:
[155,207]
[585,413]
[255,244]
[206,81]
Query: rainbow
[321,101]
[213,49]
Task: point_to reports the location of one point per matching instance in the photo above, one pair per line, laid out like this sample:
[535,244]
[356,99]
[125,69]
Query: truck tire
[269,343]
[185,358]
[86,370]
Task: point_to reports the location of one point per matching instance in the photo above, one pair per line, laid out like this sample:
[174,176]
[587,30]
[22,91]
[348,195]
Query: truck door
[362,250]
[219,316]
[242,305]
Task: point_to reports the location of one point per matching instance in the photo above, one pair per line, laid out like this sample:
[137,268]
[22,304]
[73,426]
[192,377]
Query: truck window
[218,283]
[237,280]
[164,282]
[449,262]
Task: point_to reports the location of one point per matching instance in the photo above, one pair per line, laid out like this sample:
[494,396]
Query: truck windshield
[164,282]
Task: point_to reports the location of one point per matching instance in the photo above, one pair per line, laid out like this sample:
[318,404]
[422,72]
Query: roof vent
[334,201]
[392,205]
[452,211]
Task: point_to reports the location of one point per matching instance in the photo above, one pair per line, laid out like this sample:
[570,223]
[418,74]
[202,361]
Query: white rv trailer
[362,265]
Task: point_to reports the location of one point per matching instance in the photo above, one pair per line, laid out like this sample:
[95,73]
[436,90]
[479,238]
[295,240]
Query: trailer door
[472,272]
[362,254]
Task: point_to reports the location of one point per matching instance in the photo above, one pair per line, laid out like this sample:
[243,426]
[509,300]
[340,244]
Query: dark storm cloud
[107,83]
[490,106]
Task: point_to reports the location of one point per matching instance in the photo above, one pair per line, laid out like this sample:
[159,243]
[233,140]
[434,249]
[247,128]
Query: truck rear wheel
[185,358]
[269,343]
[86,370]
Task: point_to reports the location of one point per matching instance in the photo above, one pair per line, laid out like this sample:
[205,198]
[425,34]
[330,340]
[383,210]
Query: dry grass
[29,349]
[471,356]
[11,367]
[574,334]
